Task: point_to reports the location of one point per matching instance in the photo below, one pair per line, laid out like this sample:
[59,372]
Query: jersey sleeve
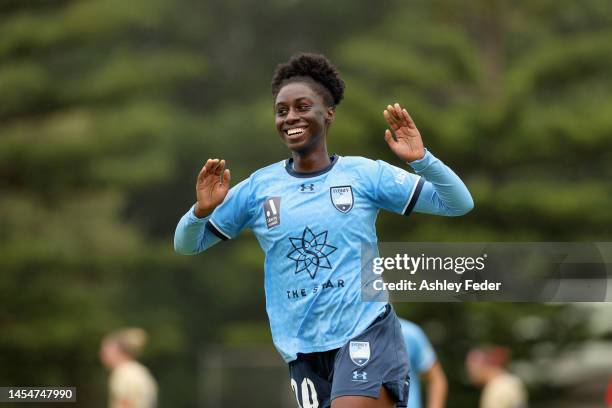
[194,235]
[235,212]
[394,189]
[443,192]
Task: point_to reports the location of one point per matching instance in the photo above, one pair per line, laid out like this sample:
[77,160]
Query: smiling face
[302,117]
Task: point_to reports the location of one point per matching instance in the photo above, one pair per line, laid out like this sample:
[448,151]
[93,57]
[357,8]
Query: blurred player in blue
[311,214]
[423,362]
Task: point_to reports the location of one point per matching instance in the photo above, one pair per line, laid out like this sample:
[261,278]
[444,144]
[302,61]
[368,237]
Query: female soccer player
[311,214]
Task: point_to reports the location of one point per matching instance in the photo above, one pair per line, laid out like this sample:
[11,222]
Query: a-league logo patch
[272,211]
[342,198]
[359,352]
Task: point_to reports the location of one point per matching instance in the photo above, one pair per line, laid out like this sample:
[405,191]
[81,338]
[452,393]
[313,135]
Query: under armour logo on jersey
[307,188]
[272,211]
[310,252]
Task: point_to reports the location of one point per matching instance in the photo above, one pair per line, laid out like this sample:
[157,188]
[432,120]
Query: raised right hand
[211,187]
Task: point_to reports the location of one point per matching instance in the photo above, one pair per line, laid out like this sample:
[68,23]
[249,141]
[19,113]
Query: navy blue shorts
[377,357]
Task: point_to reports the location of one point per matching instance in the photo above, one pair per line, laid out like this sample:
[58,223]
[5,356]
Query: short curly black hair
[315,69]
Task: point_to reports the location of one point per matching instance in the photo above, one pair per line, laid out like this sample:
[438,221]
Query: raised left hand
[407,144]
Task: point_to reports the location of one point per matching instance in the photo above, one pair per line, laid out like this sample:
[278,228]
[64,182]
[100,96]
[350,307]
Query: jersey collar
[291,170]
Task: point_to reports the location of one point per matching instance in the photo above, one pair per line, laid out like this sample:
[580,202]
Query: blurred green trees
[90,108]
[108,110]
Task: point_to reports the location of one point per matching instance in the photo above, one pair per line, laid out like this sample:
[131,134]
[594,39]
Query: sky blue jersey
[422,357]
[311,227]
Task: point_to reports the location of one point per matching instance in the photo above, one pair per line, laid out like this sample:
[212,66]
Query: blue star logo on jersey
[310,252]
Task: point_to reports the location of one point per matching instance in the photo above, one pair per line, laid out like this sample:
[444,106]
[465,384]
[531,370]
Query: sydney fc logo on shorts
[342,198]
[359,352]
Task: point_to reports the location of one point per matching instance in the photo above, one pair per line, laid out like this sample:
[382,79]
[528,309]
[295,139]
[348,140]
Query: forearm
[192,236]
[443,192]
[437,387]
[436,394]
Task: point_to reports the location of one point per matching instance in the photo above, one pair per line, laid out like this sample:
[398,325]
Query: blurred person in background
[423,362]
[609,394]
[501,389]
[130,384]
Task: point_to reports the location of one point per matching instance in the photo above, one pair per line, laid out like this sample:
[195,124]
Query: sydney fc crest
[359,352]
[342,198]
